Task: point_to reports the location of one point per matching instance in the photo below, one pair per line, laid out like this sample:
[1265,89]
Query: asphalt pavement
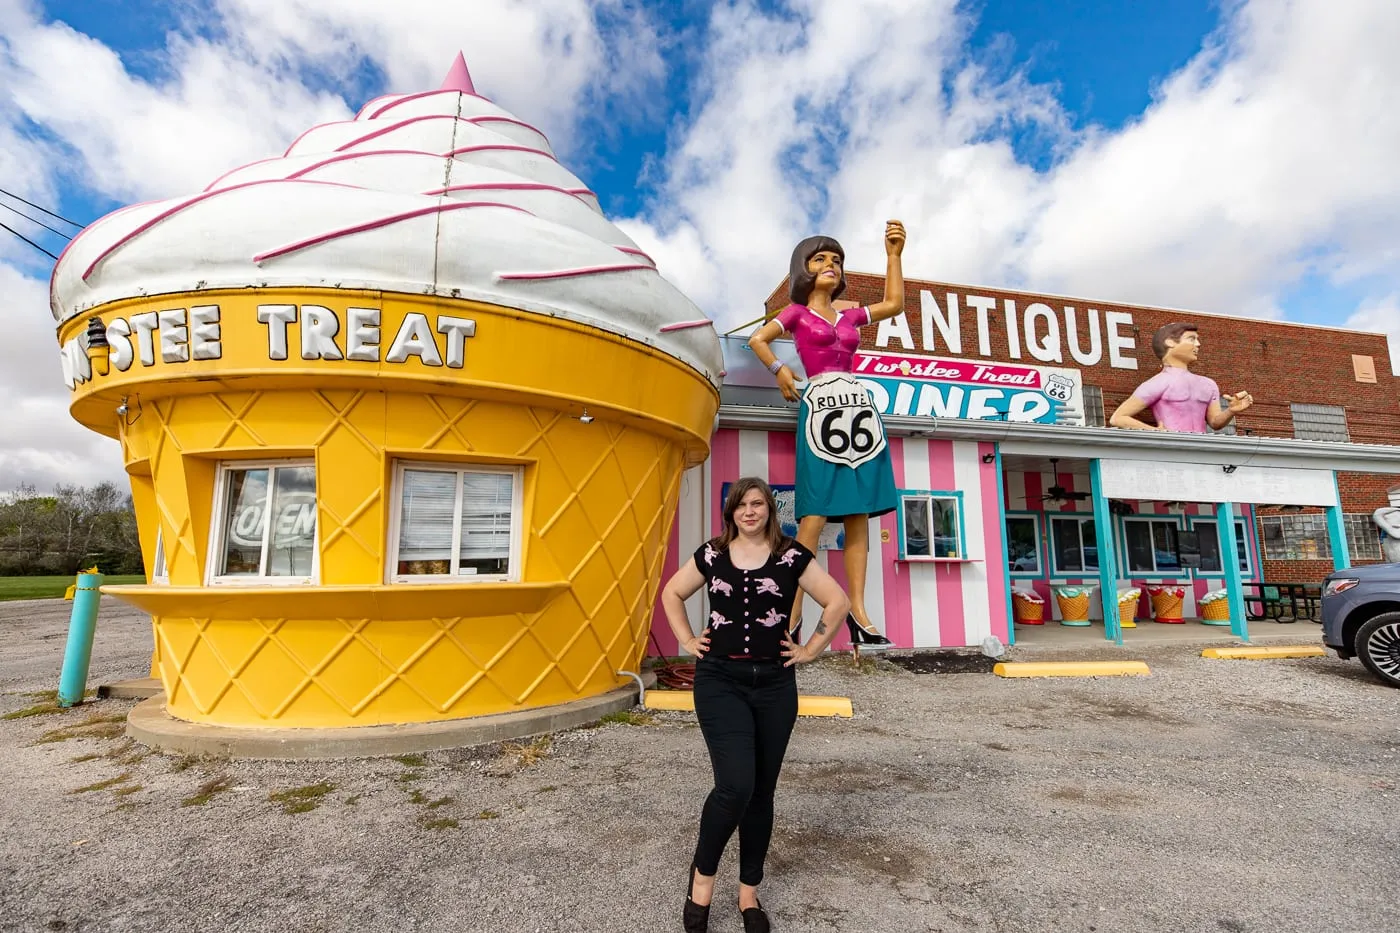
[1212,795]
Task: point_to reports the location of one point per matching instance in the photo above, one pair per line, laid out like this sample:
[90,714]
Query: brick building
[1032,491]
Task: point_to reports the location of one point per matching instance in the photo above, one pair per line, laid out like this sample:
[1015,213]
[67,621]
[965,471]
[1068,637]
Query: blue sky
[1103,56]
[1228,156]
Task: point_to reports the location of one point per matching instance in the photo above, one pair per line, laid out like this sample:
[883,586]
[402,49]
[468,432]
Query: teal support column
[82,625]
[1108,561]
[1336,531]
[1229,558]
[1005,552]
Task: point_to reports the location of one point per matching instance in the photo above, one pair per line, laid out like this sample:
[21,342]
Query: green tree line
[74,528]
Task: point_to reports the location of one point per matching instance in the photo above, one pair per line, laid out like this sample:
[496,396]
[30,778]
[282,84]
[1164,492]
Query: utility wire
[10,194]
[29,241]
[15,210]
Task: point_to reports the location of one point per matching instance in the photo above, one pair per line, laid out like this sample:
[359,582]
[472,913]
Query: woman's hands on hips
[797,654]
[697,644]
[787,382]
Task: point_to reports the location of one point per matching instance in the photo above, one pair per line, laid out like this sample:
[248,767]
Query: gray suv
[1361,617]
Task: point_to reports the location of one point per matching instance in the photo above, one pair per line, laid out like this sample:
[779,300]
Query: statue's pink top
[824,347]
[1179,399]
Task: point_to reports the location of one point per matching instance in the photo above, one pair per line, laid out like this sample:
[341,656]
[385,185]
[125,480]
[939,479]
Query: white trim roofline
[1109,443]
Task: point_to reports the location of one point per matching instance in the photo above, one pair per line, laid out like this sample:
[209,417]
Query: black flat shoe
[755,920]
[694,917]
[863,636]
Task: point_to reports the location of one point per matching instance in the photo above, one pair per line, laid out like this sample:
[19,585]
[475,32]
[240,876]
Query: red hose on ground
[671,675]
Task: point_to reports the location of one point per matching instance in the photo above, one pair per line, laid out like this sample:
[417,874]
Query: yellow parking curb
[806,705]
[1262,652]
[1071,669]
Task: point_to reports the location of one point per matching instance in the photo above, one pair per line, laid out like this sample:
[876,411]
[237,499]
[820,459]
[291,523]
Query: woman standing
[843,460]
[745,692]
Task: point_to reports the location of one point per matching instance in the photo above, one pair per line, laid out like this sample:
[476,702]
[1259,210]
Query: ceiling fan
[1058,493]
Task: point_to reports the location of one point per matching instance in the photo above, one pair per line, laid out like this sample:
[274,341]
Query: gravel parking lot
[1214,795]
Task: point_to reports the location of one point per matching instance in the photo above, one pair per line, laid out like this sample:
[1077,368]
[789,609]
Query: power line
[44,209]
[29,241]
[15,210]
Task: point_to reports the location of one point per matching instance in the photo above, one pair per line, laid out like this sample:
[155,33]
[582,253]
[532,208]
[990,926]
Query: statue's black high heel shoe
[694,918]
[864,636]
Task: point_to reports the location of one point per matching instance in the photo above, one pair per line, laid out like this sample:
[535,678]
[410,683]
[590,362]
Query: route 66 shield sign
[843,426]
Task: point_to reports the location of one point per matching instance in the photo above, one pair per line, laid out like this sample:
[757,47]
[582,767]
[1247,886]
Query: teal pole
[1336,532]
[82,625]
[1108,561]
[1005,552]
[1230,559]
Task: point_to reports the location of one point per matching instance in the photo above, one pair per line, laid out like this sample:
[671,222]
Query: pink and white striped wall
[1023,492]
[918,604]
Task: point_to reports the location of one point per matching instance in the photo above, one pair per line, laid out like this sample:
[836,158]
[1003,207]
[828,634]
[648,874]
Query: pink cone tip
[458,78]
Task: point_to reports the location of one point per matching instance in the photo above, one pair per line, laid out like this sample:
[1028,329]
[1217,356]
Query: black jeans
[746,710]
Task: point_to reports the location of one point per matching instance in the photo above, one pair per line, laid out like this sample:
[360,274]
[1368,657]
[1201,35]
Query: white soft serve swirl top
[440,193]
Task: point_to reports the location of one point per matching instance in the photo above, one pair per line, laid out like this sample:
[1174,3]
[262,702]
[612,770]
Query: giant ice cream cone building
[405,418]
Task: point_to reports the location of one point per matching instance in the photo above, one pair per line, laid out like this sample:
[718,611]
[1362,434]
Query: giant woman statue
[843,459]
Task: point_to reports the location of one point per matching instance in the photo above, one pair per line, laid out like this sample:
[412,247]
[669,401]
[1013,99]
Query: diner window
[1363,538]
[1023,550]
[1073,547]
[1295,537]
[931,525]
[1150,545]
[453,522]
[265,529]
[1093,406]
[1320,422]
[1209,536]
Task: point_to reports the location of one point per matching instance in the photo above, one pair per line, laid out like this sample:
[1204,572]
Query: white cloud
[1269,157]
[40,443]
[237,86]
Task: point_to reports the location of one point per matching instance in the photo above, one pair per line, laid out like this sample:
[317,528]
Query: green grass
[302,799]
[50,587]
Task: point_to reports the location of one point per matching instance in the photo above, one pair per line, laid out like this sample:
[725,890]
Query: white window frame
[160,569]
[1359,527]
[1171,521]
[1198,524]
[216,531]
[916,498]
[1081,519]
[517,501]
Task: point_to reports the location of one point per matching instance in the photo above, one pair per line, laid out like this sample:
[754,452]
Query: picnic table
[1284,601]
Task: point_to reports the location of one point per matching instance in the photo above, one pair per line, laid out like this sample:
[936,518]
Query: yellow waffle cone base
[597,500]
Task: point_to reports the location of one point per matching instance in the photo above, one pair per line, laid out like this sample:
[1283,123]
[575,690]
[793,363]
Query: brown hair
[740,488]
[1169,332]
[800,281]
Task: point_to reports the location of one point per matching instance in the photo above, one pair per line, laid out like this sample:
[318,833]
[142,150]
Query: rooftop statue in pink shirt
[1179,399]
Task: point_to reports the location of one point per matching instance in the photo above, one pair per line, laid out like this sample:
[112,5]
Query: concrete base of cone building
[151,725]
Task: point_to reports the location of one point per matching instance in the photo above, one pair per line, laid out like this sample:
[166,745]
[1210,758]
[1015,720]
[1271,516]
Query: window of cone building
[160,574]
[249,546]
[456,522]
[1073,546]
[931,524]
